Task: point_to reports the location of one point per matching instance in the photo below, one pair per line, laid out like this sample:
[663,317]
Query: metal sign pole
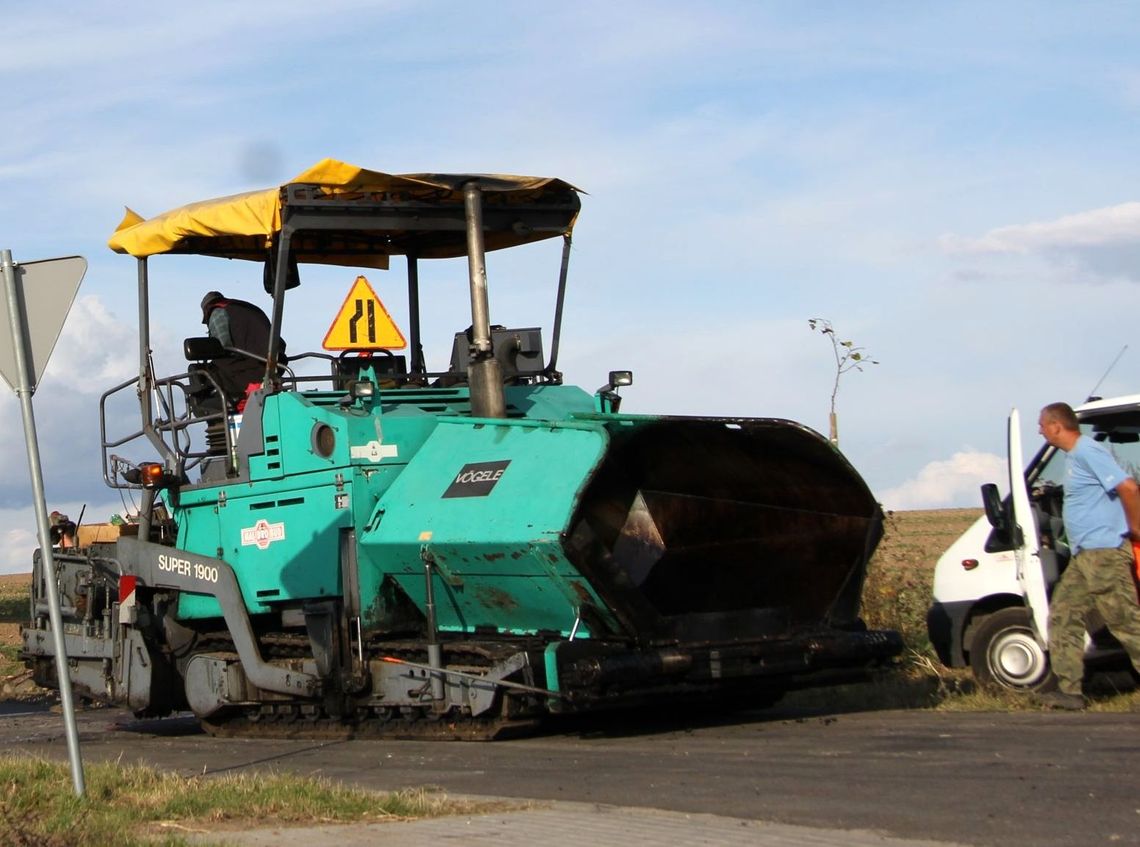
[24,390]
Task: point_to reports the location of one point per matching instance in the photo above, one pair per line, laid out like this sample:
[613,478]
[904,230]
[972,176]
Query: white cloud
[95,349]
[94,352]
[1092,246]
[17,543]
[947,482]
[1094,228]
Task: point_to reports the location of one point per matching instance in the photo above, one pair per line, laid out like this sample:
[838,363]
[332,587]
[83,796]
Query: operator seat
[205,395]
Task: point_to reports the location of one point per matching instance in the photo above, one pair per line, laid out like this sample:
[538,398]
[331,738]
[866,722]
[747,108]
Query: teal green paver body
[496,547]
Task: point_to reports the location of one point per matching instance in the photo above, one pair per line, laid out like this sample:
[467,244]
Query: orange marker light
[152,474]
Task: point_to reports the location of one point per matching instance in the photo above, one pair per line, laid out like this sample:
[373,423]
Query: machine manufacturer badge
[262,534]
[476,479]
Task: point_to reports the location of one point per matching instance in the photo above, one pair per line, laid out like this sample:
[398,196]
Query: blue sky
[952,185]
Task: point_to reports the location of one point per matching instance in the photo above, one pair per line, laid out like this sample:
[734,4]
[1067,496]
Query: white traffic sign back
[48,288]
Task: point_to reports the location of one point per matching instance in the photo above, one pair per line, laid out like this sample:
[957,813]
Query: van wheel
[1006,654]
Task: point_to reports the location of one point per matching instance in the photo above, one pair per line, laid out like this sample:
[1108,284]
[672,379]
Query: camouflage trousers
[1100,579]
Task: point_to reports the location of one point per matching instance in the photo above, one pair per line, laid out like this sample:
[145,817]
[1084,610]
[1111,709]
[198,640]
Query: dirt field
[12,582]
[910,547]
[917,538]
[13,605]
[896,594]
[900,578]
[14,680]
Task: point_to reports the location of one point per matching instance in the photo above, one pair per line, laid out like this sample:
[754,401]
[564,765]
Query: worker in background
[241,326]
[63,530]
[1102,518]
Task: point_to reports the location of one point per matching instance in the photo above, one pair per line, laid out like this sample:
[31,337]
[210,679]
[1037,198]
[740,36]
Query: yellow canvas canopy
[242,226]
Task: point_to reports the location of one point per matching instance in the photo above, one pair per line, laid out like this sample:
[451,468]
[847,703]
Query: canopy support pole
[417,352]
[146,372]
[280,277]
[562,273]
[484,374]
[144,347]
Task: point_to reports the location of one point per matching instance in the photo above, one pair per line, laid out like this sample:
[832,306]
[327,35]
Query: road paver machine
[362,546]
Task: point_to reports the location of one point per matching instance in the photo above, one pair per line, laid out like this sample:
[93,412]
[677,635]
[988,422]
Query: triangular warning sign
[363,323]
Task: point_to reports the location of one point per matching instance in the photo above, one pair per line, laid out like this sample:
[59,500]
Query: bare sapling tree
[848,357]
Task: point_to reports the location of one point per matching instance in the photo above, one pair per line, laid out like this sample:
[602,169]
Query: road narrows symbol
[363,323]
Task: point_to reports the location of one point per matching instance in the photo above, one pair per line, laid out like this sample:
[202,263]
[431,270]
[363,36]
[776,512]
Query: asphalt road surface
[1026,778]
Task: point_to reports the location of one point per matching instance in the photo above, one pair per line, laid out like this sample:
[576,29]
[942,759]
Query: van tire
[1005,654]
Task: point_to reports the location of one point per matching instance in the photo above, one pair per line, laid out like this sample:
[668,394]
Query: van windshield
[1119,433]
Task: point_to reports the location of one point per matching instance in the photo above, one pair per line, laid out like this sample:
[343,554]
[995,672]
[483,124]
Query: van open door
[1027,542]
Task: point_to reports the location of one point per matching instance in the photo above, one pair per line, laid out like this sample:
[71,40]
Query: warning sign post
[363,323]
[37,297]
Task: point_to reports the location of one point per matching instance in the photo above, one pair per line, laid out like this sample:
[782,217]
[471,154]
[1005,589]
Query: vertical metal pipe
[144,348]
[144,339]
[280,277]
[435,652]
[477,269]
[146,513]
[416,360]
[484,375]
[25,390]
[350,588]
[562,273]
[146,392]
[359,642]
[146,371]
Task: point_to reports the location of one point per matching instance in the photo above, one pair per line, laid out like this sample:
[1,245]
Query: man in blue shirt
[1102,519]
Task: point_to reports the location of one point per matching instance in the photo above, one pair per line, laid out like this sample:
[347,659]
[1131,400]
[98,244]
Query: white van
[990,608]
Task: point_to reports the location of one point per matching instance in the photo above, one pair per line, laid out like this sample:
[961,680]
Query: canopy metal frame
[312,216]
[318,220]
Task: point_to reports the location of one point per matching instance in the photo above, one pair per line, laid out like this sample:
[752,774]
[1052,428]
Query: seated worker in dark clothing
[242,326]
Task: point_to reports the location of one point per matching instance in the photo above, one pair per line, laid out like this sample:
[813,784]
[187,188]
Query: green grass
[132,806]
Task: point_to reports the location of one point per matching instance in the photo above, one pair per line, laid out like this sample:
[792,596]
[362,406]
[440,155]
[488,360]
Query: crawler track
[293,724]
[289,721]
[307,719]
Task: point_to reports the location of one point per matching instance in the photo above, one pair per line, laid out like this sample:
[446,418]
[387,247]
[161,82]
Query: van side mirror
[995,514]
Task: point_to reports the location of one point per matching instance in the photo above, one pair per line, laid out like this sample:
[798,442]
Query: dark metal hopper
[698,529]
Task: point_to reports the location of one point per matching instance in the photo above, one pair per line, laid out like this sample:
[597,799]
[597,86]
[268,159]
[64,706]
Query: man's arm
[1129,493]
[219,327]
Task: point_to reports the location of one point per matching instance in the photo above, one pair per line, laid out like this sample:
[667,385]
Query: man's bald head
[1063,414]
[1058,425]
